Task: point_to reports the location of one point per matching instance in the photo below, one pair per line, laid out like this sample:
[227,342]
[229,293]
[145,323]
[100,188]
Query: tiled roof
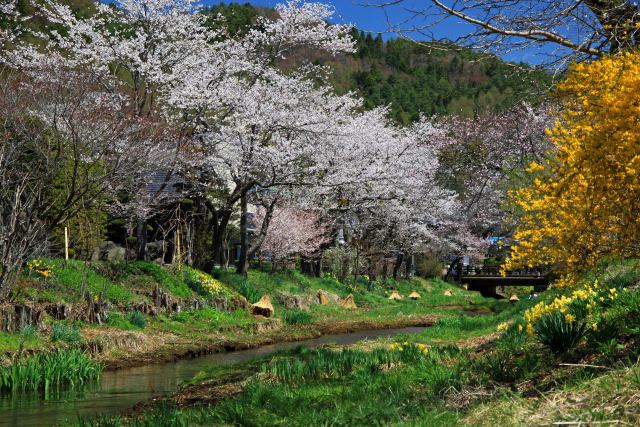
[158,179]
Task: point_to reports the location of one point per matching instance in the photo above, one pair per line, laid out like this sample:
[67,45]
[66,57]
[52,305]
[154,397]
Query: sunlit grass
[46,372]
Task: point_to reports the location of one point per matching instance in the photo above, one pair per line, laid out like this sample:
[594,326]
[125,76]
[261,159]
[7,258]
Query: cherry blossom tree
[256,125]
[381,185]
[292,232]
[64,144]
[489,153]
[163,57]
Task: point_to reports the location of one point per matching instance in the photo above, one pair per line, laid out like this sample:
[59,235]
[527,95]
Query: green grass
[296,317]
[46,372]
[165,277]
[9,342]
[206,320]
[371,299]
[118,320]
[66,282]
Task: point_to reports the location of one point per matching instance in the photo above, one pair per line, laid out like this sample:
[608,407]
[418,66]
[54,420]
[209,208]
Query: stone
[156,250]
[108,251]
[291,301]
[325,298]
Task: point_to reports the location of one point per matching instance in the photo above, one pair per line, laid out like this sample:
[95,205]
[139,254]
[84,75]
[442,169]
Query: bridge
[488,279]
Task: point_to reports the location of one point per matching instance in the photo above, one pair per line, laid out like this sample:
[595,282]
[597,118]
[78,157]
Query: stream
[122,389]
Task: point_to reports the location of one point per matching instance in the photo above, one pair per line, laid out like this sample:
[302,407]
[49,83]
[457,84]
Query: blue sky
[354,12]
[374,20]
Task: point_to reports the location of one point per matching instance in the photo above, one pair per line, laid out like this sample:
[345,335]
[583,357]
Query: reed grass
[47,372]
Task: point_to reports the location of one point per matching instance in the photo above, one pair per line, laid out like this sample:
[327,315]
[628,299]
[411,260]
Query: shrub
[296,317]
[559,334]
[247,290]
[429,267]
[137,319]
[28,332]
[65,333]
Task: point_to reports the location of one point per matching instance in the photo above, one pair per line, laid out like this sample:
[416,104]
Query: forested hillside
[417,78]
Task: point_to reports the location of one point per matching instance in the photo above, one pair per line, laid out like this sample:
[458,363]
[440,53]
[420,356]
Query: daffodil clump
[579,305]
[502,327]
[40,268]
[407,346]
[208,284]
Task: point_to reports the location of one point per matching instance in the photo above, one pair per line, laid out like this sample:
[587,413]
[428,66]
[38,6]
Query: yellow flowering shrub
[584,202]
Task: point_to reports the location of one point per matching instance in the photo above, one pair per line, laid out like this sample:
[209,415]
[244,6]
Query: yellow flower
[503,327]
[530,329]
[570,317]
[594,326]
[520,328]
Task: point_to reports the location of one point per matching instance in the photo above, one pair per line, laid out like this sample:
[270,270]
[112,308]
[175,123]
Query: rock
[108,251]
[395,296]
[348,302]
[262,307]
[325,298]
[414,295]
[301,302]
[156,250]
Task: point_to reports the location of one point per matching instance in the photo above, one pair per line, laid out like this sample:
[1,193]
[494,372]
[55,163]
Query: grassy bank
[127,336]
[467,370]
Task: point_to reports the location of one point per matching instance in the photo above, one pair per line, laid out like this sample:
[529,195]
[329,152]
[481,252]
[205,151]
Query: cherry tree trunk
[398,264]
[243,261]
[219,230]
[141,248]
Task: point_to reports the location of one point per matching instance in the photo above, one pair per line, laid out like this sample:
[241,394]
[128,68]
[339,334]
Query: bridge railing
[490,271]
